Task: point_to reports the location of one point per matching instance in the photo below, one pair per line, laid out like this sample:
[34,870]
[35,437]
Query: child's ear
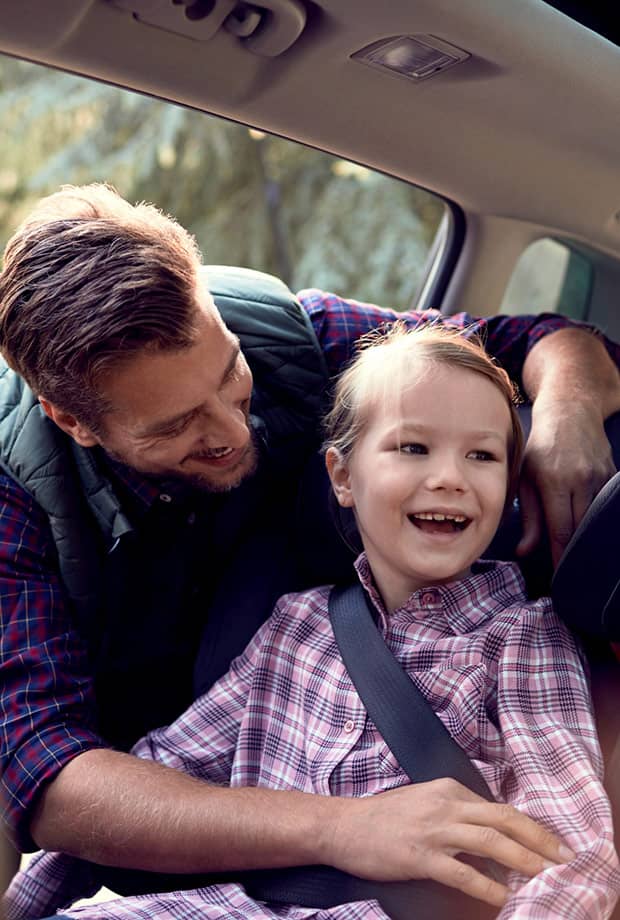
[338,471]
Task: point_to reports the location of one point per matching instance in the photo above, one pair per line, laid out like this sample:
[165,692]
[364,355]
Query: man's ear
[338,472]
[69,424]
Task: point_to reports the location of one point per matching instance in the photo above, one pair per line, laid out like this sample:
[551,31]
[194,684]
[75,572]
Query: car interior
[508,112]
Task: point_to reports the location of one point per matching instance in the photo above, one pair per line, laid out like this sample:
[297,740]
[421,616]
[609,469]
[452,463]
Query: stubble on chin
[246,468]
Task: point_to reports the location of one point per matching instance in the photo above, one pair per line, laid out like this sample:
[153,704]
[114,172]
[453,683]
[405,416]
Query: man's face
[184,414]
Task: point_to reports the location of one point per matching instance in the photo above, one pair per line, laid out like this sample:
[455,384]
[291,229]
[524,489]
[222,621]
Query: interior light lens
[416,57]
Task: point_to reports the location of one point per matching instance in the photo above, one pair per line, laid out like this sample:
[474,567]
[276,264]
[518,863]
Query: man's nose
[226,426]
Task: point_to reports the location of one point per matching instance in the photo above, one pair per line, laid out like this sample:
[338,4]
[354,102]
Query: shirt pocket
[458,695]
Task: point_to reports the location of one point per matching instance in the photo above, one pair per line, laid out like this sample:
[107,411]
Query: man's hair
[391,360]
[88,281]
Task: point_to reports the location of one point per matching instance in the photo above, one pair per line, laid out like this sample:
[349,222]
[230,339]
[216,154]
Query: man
[148,521]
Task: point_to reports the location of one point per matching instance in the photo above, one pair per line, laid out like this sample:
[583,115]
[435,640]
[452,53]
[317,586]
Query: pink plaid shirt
[502,673]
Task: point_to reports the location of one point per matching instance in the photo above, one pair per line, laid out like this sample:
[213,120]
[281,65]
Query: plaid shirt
[47,704]
[339,323]
[504,676]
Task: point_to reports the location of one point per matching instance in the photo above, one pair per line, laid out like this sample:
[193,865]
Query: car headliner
[526,131]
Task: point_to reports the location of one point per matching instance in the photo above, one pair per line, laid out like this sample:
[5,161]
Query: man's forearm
[572,366]
[118,810]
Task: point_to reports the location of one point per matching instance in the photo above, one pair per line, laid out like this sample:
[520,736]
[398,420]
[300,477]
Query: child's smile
[427,480]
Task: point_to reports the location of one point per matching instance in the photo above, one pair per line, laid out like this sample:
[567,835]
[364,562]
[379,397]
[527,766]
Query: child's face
[441,453]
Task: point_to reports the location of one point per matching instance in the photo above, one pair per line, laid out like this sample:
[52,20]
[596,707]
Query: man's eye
[413,449]
[174,430]
[484,455]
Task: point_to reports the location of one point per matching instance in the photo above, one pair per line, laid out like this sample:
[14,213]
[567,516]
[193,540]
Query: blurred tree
[250,199]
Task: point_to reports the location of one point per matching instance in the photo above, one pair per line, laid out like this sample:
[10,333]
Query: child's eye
[483,455]
[413,449]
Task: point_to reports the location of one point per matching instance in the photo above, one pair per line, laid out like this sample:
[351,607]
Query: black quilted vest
[165,598]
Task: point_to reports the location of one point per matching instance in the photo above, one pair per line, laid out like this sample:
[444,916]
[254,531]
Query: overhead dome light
[416,57]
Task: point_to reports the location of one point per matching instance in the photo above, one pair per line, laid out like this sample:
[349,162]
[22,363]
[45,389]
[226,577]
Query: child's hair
[390,360]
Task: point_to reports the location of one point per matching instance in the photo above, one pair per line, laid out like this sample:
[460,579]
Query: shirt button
[428,598]
[164,497]
[349,726]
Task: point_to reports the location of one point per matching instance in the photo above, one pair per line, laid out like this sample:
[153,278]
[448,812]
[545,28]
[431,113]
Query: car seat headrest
[586,585]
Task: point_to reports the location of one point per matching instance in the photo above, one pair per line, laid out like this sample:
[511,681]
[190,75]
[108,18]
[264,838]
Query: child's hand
[416,831]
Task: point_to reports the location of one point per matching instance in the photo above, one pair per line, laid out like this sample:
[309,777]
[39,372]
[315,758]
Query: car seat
[586,594]
[586,585]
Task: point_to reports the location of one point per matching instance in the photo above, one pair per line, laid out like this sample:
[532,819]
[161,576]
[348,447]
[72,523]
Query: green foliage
[250,199]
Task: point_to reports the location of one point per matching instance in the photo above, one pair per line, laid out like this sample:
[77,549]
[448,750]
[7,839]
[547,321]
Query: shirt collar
[145,489]
[464,605]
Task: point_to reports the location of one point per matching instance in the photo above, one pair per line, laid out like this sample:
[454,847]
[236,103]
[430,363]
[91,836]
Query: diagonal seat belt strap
[415,734]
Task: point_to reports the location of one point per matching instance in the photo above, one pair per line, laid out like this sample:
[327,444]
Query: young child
[424,445]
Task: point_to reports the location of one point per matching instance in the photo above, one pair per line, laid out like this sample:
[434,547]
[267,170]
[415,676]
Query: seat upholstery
[586,585]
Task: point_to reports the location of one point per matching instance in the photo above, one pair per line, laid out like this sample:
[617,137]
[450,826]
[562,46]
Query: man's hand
[415,832]
[574,386]
[567,461]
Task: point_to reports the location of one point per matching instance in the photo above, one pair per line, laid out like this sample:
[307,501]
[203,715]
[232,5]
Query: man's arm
[574,386]
[119,810]
[47,705]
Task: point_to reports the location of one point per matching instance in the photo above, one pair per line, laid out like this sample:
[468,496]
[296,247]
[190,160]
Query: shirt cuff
[34,764]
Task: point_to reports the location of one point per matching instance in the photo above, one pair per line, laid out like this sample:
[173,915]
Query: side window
[250,199]
[549,277]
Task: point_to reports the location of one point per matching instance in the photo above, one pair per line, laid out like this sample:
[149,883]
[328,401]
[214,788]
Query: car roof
[527,128]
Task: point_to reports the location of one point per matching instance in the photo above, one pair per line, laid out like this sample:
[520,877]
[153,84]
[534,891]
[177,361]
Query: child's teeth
[437,516]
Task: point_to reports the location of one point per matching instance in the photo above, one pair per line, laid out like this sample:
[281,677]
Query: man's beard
[246,468]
